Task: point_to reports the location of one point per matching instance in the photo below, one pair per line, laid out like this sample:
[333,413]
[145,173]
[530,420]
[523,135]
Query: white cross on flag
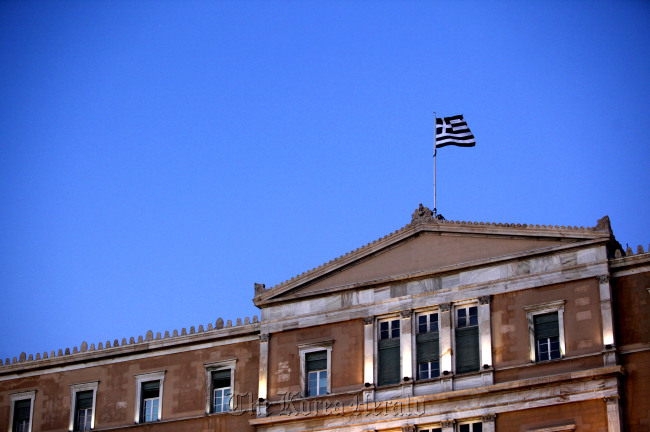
[453,131]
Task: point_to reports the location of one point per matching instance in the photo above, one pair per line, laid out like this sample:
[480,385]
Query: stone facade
[441,325]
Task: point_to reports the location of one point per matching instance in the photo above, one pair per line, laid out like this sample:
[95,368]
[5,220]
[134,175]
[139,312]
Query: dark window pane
[150,389]
[473,316]
[84,399]
[316,360]
[462,317]
[434,322]
[422,324]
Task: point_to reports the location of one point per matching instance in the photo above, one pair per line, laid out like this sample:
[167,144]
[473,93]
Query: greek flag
[453,131]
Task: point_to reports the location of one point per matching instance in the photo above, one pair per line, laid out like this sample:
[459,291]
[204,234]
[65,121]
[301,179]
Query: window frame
[15,397]
[77,388]
[454,324]
[144,378]
[210,368]
[416,332]
[305,349]
[541,309]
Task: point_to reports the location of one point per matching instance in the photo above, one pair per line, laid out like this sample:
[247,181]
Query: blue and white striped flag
[453,131]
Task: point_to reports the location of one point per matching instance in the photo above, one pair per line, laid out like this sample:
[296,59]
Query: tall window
[221,391]
[220,382]
[546,324]
[22,411]
[22,408]
[150,401]
[82,406]
[83,411]
[467,348]
[547,337]
[428,347]
[316,367]
[389,352]
[149,397]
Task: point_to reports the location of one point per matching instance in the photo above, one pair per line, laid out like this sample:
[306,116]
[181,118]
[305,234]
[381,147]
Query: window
[428,347]
[220,384]
[221,391]
[22,409]
[470,427]
[150,401]
[547,337]
[467,347]
[84,410]
[389,352]
[149,397]
[430,430]
[315,367]
[83,406]
[546,330]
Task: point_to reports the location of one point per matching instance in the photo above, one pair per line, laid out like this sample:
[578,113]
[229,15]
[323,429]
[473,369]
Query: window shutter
[467,356]
[150,389]
[316,361]
[221,378]
[84,399]
[546,325]
[428,347]
[389,364]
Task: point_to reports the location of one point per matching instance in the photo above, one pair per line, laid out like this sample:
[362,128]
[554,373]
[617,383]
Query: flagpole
[435,195]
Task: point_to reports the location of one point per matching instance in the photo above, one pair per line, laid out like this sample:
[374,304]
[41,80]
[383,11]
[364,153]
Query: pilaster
[264,374]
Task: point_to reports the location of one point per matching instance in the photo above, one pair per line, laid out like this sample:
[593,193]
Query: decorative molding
[488,417]
[265,337]
[408,428]
[260,289]
[445,307]
[603,279]
[611,399]
[485,299]
[368,320]
[447,423]
[406,313]
[603,224]
[422,215]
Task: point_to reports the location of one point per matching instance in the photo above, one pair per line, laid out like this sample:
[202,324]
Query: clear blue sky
[159,157]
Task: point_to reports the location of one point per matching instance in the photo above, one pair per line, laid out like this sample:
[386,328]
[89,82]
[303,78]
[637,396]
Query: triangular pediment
[424,246]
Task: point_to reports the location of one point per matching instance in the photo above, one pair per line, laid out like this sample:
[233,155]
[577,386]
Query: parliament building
[440,326]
